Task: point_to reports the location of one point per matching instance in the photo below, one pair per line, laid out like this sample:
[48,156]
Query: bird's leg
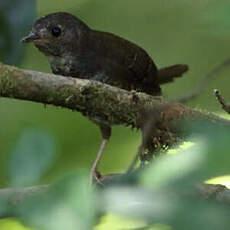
[106,133]
[94,175]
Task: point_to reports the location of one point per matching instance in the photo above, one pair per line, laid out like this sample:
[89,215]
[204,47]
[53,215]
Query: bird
[78,51]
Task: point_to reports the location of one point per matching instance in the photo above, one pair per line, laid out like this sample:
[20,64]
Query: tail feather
[168,74]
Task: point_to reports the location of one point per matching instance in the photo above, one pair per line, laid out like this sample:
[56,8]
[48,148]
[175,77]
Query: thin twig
[204,82]
[226,107]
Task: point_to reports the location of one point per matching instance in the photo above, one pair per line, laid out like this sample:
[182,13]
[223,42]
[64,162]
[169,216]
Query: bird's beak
[30,37]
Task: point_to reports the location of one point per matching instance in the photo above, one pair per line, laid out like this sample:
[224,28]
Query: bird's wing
[131,56]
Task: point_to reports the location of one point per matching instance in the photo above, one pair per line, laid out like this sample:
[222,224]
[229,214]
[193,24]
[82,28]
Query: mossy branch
[103,102]
[99,101]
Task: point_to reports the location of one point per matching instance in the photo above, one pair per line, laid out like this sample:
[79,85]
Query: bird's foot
[95,178]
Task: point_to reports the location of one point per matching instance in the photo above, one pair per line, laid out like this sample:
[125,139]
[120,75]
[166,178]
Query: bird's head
[57,34]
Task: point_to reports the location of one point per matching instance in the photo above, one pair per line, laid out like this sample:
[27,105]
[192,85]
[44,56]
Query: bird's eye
[56,31]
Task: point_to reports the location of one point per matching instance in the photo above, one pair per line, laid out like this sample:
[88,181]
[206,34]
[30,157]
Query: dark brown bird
[75,50]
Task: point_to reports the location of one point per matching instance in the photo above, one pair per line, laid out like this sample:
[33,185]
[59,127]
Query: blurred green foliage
[31,157]
[15,19]
[164,192]
[69,205]
[191,32]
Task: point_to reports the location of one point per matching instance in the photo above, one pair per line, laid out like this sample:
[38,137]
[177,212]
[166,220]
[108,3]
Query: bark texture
[102,102]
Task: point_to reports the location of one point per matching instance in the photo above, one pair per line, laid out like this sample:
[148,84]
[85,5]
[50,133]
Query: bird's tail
[167,74]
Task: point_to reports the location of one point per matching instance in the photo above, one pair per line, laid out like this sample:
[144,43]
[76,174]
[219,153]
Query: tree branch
[14,197]
[99,101]
[11,198]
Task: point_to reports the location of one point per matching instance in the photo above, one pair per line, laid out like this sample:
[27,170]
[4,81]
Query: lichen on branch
[102,102]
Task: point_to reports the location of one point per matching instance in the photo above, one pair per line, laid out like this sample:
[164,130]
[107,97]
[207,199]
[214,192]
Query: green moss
[49,99]
[65,93]
[7,82]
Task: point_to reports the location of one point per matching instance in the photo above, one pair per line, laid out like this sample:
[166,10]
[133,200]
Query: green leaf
[215,154]
[31,158]
[168,193]
[182,168]
[178,210]
[16,18]
[68,205]
[208,157]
